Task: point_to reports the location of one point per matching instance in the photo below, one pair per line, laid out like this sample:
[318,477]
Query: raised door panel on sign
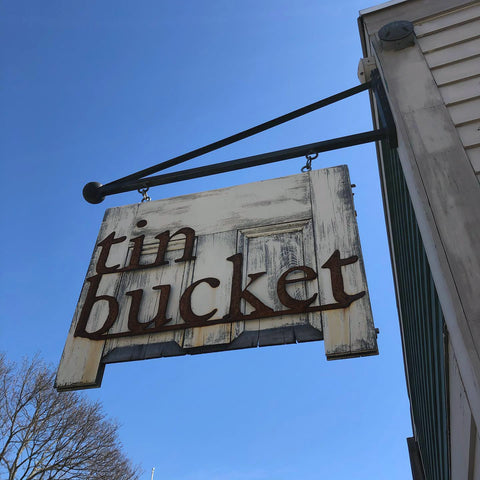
[268,253]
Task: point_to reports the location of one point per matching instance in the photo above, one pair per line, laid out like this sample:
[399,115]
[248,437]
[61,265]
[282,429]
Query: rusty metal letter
[136,252]
[91,299]
[283,281]
[160,318]
[163,240]
[165,237]
[186,302]
[237,293]
[334,264]
[106,244]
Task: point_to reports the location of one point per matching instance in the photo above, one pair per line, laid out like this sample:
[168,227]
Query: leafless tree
[45,435]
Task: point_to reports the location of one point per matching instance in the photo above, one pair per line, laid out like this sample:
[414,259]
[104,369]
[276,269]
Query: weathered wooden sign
[266,263]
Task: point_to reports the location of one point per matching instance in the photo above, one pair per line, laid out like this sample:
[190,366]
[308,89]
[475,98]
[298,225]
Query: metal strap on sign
[95,192]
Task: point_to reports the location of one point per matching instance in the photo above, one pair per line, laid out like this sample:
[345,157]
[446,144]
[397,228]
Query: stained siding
[463,433]
[451,45]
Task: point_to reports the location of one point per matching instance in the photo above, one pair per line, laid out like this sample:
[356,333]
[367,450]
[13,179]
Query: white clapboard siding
[268,228]
[454,72]
[451,45]
[452,36]
[470,134]
[454,53]
[446,20]
[474,156]
[465,112]
[461,91]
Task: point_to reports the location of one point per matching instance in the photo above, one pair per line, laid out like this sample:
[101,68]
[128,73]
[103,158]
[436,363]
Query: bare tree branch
[46,435]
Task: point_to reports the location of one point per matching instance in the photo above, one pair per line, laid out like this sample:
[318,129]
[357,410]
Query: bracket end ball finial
[92,194]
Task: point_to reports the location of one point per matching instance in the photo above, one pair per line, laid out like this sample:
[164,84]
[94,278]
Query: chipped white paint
[272,262]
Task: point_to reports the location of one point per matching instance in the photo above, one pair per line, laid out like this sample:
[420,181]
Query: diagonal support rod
[245,162]
[244,134]
[94,192]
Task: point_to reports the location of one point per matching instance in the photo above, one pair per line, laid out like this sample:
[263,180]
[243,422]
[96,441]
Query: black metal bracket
[95,192]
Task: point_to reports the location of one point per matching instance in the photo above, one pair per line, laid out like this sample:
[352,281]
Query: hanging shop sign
[266,263]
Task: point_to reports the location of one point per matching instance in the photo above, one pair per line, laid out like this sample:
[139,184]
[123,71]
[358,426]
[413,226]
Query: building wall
[422,324]
[433,87]
[464,437]
[450,43]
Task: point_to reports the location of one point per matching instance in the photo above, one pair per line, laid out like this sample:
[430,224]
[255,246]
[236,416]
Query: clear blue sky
[94,90]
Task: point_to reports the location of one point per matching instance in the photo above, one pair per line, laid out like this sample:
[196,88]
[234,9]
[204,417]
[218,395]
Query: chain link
[308,166]
[145,197]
